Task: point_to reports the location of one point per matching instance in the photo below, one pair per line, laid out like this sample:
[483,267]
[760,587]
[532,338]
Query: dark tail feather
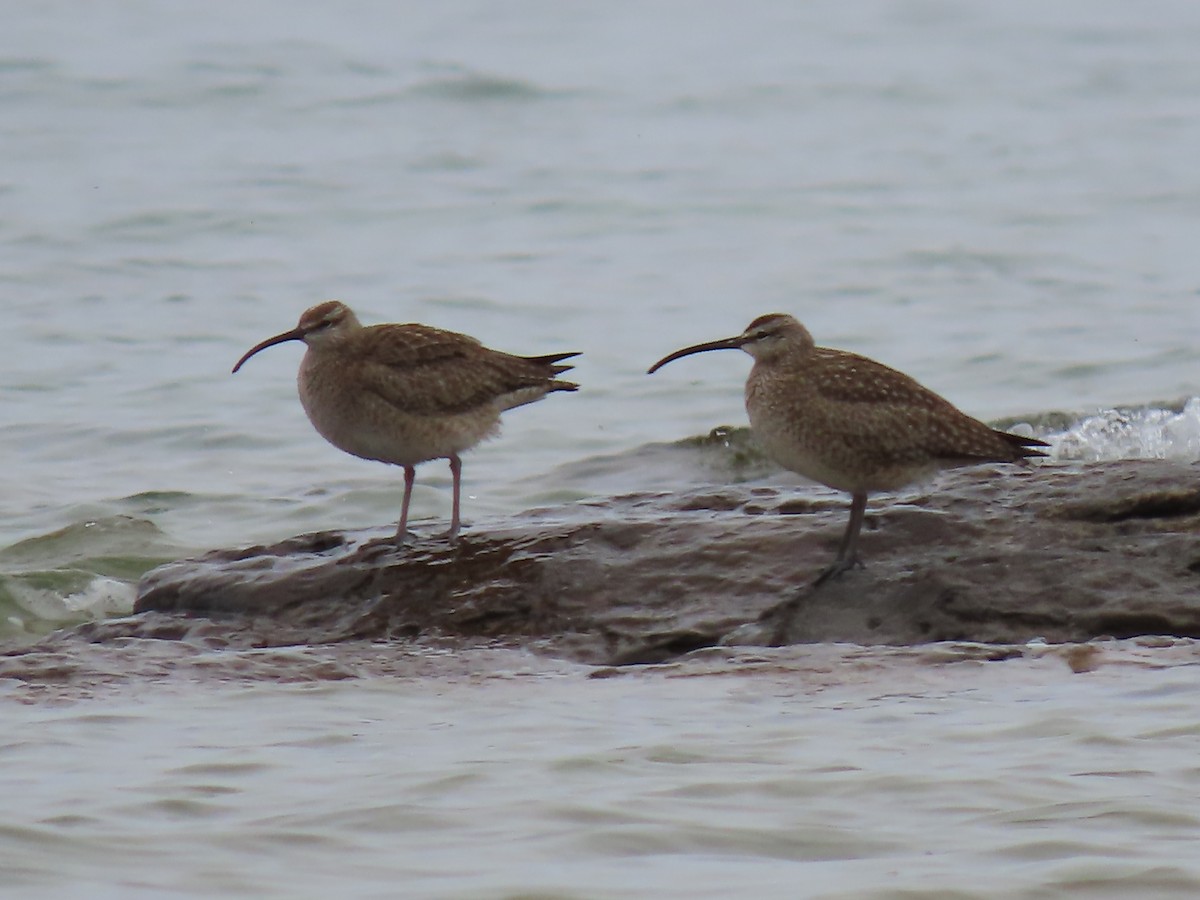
[550,361]
[1022,446]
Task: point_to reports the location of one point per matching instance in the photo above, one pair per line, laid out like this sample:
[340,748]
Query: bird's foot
[839,567]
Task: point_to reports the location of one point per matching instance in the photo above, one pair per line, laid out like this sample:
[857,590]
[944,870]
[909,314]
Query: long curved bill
[733,343]
[294,335]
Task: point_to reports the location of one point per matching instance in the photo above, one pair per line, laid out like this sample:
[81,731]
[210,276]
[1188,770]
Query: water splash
[1149,432]
[32,605]
[83,572]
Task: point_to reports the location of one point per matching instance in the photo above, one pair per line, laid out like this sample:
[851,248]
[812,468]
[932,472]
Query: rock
[994,554]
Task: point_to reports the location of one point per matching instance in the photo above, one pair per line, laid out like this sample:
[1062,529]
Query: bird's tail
[551,361]
[1022,447]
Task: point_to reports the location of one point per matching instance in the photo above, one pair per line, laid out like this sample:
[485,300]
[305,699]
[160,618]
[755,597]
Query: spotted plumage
[406,394]
[852,423]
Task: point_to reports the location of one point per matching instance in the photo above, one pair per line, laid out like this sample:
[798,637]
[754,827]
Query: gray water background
[998,199]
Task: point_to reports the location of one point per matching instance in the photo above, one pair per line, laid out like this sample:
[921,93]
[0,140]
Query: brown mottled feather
[851,423]
[405,394]
[425,371]
[865,401]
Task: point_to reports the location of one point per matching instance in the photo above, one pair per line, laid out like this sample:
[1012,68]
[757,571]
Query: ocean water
[998,199]
[832,772]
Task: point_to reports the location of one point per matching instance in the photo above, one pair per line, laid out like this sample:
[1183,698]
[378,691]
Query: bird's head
[319,325]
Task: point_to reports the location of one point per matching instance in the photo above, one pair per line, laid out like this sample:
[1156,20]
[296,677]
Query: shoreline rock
[993,554]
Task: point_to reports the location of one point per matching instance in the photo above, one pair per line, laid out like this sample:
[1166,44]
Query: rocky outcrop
[990,554]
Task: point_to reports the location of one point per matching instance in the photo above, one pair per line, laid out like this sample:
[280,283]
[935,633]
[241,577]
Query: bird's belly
[825,455]
[803,460]
[367,426]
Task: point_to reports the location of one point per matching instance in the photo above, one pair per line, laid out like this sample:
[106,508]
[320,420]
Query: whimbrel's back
[857,425]
[426,371]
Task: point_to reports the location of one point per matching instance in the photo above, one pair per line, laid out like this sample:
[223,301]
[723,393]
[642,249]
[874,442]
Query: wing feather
[876,409]
[428,371]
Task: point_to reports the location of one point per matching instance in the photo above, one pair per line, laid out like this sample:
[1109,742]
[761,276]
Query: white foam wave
[100,598]
[1145,433]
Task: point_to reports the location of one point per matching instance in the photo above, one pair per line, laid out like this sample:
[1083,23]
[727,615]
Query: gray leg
[847,555]
[456,472]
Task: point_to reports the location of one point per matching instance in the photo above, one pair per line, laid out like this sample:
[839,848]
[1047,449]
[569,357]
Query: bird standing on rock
[406,394]
[851,423]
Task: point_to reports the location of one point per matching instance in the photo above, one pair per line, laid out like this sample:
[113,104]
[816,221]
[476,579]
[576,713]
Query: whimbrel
[406,394]
[851,423]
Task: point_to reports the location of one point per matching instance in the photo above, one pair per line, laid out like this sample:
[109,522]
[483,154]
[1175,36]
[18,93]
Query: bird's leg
[410,475]
[456,474]
[847,555]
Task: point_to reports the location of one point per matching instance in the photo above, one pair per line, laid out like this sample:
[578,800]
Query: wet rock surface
[991,554]
[989,559]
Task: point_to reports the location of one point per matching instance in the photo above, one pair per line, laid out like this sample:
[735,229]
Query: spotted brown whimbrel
[406,394]
[852,423]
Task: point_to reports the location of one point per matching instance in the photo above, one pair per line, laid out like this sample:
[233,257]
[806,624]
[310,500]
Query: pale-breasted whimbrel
[851,423]
[406,394]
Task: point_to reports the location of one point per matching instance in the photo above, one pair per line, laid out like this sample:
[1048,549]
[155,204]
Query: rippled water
[817,772]
[997,199]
